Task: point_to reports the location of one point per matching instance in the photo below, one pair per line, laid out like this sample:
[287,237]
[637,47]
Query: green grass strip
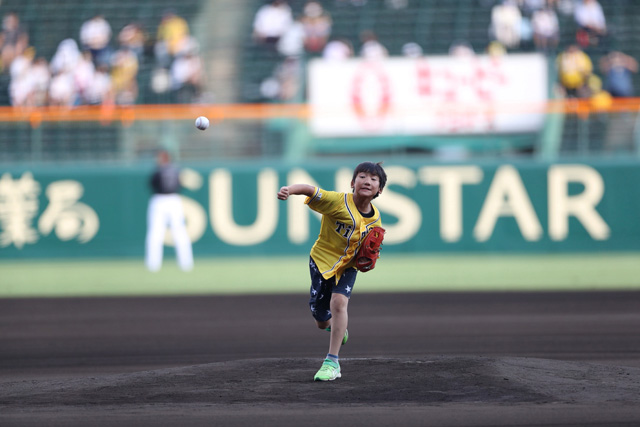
[273,275]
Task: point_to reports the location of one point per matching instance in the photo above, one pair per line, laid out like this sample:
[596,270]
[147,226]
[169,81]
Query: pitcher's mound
[365,381]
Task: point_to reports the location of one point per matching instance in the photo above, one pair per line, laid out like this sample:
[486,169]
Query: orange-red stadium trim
[218,112]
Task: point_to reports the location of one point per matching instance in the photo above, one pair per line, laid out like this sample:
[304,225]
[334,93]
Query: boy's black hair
[373,169]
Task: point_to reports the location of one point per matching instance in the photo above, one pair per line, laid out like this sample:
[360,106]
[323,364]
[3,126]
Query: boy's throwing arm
[295,189]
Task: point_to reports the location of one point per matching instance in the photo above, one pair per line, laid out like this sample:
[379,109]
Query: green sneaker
[346,335]
[329,371]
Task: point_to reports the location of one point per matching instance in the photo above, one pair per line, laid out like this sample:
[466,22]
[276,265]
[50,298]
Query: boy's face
[366,185]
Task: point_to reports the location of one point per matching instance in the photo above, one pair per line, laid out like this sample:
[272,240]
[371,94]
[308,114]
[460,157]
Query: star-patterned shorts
[321,290]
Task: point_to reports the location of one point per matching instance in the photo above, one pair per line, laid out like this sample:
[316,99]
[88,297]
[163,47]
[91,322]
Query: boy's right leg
[345,338]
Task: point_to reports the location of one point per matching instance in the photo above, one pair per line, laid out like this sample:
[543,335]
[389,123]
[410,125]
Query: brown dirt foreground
[440,390]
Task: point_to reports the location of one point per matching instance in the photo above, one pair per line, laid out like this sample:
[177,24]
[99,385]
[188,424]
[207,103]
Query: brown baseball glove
[369,251]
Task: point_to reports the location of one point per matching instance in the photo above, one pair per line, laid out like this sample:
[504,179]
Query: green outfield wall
[232,209]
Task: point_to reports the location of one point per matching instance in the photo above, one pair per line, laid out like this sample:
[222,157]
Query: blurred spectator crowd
[100,67]
[96,69]
[292,37]
[515,26]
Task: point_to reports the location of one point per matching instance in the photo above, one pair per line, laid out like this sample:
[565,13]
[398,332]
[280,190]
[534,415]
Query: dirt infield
[412,359]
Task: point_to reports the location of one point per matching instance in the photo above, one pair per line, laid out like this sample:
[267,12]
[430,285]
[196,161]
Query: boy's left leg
[340,295]
[330,369]
[339,321]
[320,298]
[333,318]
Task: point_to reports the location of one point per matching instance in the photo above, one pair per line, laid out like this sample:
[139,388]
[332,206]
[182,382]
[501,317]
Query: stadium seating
[49,22]
[433,24]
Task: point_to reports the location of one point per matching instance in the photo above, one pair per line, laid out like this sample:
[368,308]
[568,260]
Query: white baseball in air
[202,123]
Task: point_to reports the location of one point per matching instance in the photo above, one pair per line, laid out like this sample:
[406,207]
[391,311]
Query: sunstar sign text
[507,197]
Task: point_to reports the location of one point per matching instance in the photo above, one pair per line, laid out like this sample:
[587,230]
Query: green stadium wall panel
[232,209]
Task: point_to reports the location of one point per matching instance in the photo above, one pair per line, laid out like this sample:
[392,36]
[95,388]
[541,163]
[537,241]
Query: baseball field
[434,340]
[285,275]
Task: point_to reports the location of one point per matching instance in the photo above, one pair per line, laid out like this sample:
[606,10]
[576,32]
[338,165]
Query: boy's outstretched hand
[283,194]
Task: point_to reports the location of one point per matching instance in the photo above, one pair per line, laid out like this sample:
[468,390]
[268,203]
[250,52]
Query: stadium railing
[244,131]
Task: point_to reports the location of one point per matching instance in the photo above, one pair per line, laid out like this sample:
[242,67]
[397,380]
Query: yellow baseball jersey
[341,231]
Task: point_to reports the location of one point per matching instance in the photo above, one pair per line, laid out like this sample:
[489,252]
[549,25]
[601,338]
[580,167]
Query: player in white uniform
[165,208]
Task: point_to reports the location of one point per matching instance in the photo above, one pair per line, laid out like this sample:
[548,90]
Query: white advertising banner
[437,95]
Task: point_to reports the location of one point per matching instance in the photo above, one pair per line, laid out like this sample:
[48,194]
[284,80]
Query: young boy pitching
[346,219]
